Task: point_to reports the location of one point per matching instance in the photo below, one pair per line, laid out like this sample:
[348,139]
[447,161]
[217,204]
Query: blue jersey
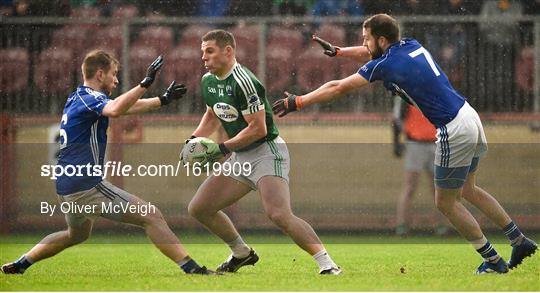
[83,138]
[407,69]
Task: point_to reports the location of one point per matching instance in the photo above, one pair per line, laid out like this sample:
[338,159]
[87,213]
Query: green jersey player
[235,96]
[236,99]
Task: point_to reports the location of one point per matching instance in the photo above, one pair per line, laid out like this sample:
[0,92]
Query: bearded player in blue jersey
[407,69]
[83,132]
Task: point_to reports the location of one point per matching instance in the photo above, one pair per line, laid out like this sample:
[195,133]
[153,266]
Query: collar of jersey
[387,51]
[393,45]
[398,43]
[87,87]
[228,73]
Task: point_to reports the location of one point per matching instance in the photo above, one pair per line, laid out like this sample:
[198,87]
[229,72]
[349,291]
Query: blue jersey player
[83,131]
[406,68]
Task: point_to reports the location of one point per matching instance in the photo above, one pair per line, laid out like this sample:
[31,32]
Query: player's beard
[377,53]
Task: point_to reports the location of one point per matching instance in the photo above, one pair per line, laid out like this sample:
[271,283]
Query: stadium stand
[140,56]
[160,38]
[314,69]
[278,60]
[184,66]
[53,72]
[14,70]
[247,42]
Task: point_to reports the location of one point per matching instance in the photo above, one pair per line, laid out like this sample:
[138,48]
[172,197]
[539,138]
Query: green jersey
[238,94]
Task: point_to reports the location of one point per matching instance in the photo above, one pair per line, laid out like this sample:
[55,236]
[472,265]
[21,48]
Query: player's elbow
[258,129]
[111,110]
[261,131]
[112,113]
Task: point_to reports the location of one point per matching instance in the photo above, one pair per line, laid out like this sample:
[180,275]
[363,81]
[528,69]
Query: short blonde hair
[95,60]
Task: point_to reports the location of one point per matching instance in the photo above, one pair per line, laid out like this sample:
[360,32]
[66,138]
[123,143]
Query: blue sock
[488,253]
[513,233]
[189,265]
[23,263]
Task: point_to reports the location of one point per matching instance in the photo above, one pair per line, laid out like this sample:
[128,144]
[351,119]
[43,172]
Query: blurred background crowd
[271,7]
[489,58]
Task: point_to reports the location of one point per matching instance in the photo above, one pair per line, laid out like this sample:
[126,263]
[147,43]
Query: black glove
[289,104]
[151,72]
[329,50]
[173,92]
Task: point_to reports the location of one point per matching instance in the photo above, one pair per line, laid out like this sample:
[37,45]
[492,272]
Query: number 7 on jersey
[423,50]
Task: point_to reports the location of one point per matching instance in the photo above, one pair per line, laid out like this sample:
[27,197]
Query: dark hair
[223,38]
[95,60]
[383,25]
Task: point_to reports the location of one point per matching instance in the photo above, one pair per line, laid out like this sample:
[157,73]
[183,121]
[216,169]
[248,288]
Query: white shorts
[271,158]
[461,140]
[419,156]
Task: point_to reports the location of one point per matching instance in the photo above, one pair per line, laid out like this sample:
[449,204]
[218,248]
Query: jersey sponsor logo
[225,112]
[212,90]
[364,68]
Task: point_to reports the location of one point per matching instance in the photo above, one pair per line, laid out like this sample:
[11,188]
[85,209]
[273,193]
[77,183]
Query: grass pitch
[369,263]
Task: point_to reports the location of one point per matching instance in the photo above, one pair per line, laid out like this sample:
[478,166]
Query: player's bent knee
[195,210]
[468,191]
[280,218]
[442,206]
[444,203]
[153,217]
[77,237]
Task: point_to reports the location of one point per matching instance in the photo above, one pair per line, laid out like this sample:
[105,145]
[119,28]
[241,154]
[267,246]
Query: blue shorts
[452,178]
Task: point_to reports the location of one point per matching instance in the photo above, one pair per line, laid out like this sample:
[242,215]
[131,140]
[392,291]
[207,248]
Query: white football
[193,147]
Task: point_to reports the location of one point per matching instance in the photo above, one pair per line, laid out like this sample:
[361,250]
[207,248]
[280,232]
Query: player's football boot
[526,248]
[501,267]
[11,268]
[232,264]
[331,271]
[204,271]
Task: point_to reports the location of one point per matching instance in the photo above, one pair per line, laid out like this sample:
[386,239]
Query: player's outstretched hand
[289,104]
[151,72]
[173,92]
[329,50]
